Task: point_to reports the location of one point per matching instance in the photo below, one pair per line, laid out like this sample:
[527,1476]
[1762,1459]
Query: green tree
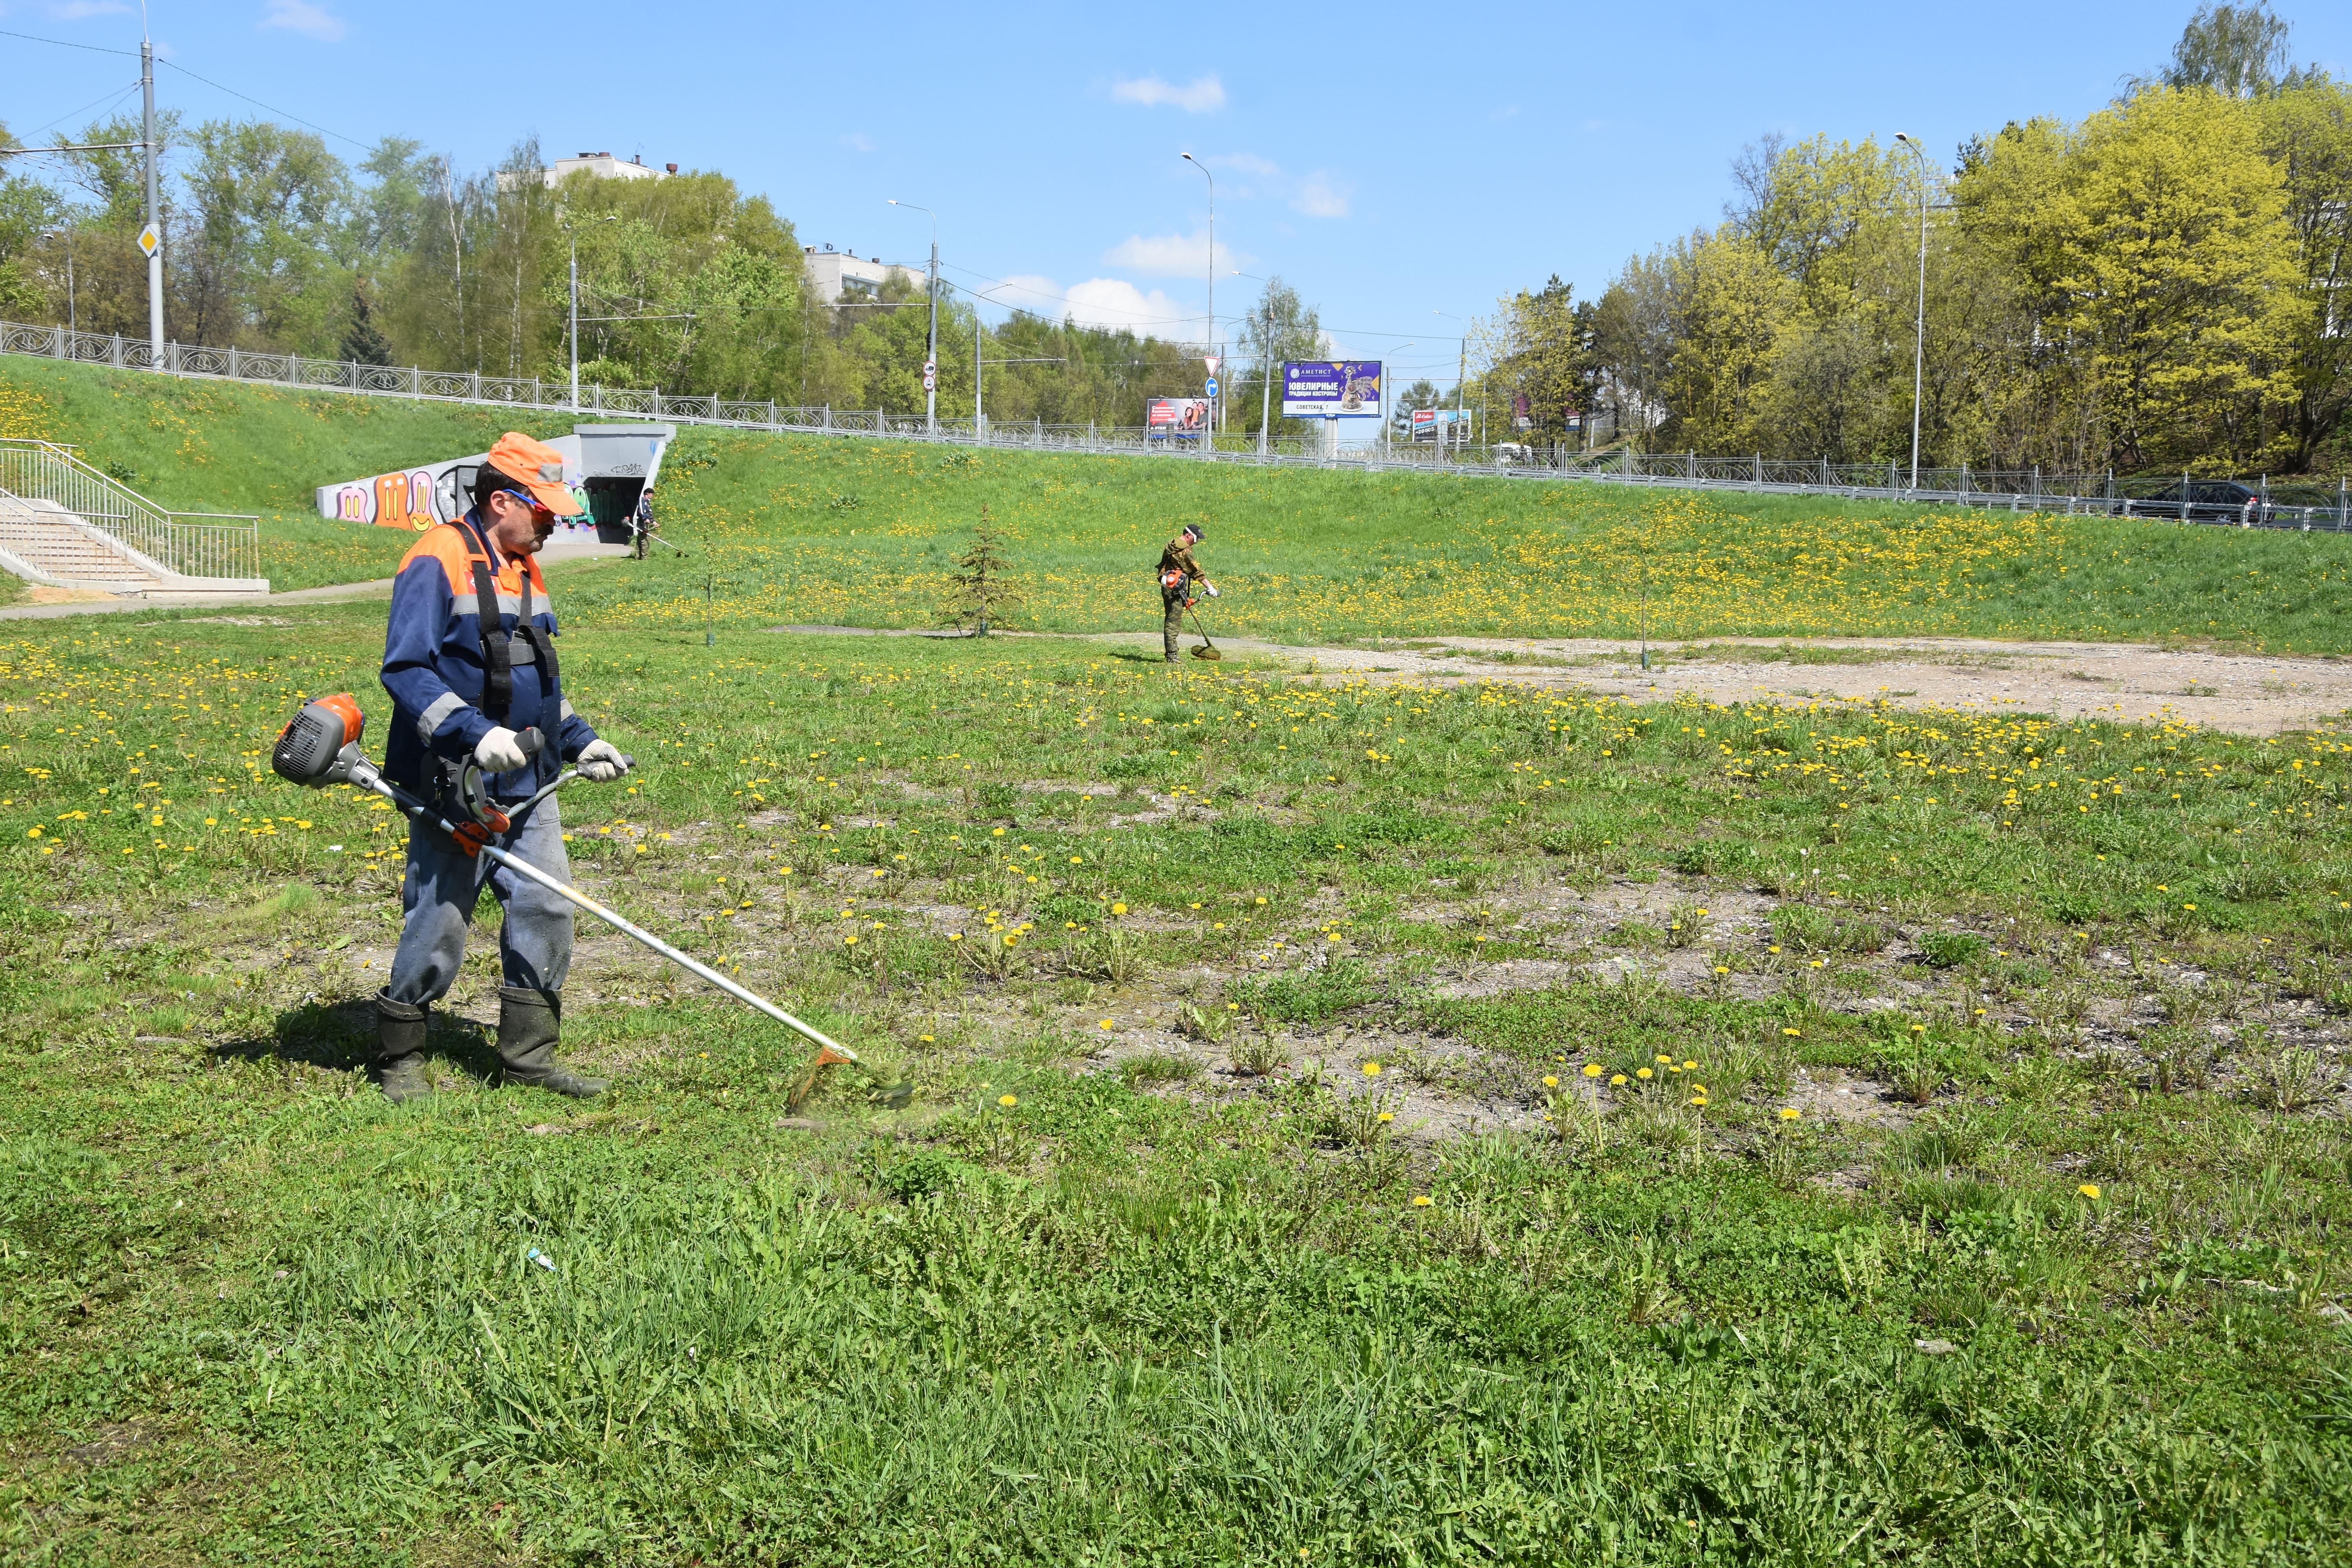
[1731,306]
[1536,345]
[2238,51]
[2307,133]
[27,210]
[1279,326]
[2154,245]
[980,588]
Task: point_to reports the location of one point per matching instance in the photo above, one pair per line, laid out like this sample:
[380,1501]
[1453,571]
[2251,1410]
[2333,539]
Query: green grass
[1057,1309]
[819,531]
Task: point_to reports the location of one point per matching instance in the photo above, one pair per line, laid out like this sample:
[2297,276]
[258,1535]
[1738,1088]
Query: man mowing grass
[469,660]
[1178,572]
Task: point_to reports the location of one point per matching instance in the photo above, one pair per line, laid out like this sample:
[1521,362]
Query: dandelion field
[1252,1160]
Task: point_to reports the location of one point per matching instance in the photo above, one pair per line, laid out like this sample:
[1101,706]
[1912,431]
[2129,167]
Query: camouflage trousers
[1172,623]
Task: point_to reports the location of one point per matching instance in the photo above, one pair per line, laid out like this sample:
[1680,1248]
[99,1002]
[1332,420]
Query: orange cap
[538,467]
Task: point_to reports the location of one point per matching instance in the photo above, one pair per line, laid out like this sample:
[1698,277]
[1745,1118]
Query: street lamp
[573,236]
[1919,320]
[931,344]
[1210,335]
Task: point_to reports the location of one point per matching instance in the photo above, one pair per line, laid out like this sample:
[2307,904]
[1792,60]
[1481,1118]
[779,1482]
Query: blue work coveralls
[433,667]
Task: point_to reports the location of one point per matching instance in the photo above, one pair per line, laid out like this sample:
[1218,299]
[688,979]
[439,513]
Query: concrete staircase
[43,543]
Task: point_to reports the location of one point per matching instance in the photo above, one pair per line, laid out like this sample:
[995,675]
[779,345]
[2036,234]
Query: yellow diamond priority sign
[149,241]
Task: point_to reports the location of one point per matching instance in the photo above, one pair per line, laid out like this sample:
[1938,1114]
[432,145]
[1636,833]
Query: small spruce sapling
[981,587]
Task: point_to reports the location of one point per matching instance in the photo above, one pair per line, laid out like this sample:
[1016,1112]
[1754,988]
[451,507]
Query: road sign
[1212,360]
[1212,387]
[150,240]
[930,376]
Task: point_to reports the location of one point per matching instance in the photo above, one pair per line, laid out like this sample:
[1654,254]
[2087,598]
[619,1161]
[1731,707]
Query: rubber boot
[527,1029]
[400,1049]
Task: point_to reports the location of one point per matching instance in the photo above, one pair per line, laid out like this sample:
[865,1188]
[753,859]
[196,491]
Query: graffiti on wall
[391,500]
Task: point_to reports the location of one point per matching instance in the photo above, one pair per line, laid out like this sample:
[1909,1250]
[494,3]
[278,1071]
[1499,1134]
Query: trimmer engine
[320,747]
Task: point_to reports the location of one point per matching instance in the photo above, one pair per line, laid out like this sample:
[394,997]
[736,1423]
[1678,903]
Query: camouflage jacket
[1178,557]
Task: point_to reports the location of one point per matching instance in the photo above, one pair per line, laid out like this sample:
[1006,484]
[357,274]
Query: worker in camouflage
[1178,572]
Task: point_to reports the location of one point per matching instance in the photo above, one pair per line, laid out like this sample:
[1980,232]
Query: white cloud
[303,17]
[1246,163]
[1318,197]
[1169,254]
[1202,95]
[859,141]
[1097,302]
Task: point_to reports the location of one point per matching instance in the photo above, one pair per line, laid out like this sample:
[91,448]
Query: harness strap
[498,642]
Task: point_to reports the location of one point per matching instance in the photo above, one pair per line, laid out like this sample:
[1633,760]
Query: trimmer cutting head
[1205,651]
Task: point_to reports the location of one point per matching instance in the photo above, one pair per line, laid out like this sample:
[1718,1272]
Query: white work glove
[500,752]
[601,762]
[1208,587]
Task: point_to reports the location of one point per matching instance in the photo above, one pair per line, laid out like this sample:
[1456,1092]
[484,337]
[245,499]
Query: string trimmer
[1207,649]
[321,747]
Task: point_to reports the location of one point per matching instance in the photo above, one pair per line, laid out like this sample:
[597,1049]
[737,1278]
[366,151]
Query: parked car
[2217,501]
[1506,452]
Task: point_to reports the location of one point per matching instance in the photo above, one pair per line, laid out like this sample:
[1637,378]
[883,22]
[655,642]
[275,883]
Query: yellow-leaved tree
[2152,241]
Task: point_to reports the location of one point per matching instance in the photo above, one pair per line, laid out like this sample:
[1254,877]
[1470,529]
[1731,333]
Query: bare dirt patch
[2249,694]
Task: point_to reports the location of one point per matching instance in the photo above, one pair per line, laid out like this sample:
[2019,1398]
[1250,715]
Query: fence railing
[2255,503]
[183,545]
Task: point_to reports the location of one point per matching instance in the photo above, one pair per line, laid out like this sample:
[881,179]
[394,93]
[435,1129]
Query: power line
[63,44]
[258,104]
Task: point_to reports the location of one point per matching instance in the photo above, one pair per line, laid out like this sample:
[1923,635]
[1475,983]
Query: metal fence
[185,545]
[2255,503]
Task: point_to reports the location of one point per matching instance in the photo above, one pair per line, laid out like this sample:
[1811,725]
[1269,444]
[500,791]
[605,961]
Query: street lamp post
[931,342]
[1209,445]
[1919,320]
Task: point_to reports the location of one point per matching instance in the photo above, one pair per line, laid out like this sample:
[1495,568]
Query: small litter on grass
[536,1255]
[1924,1347]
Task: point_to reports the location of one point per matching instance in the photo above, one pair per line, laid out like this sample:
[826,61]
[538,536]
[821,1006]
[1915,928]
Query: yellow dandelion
[1372,1069]
[1593,1069]
[1550,1082]
[1007,1101]
[1421,1201]
[1617,1080]
[1788,1113]
[2089,1189]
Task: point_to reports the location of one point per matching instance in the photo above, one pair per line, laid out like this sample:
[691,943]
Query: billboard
[1182,418]
[1331,389]
[1449,424]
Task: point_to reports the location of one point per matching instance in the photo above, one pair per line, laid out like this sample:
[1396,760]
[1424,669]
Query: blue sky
[1391,162]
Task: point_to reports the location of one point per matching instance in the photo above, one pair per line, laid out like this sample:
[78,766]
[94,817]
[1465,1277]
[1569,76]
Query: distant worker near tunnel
[1178,572]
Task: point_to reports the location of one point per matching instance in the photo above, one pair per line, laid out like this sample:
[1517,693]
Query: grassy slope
[248,1310]
[819,531]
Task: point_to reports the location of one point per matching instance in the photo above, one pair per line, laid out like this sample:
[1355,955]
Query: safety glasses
[532,502]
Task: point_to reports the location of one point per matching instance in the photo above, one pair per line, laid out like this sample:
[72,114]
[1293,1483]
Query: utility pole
[1919,322]
[1266,380]
[150,238]
[575,322]
[931,342]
